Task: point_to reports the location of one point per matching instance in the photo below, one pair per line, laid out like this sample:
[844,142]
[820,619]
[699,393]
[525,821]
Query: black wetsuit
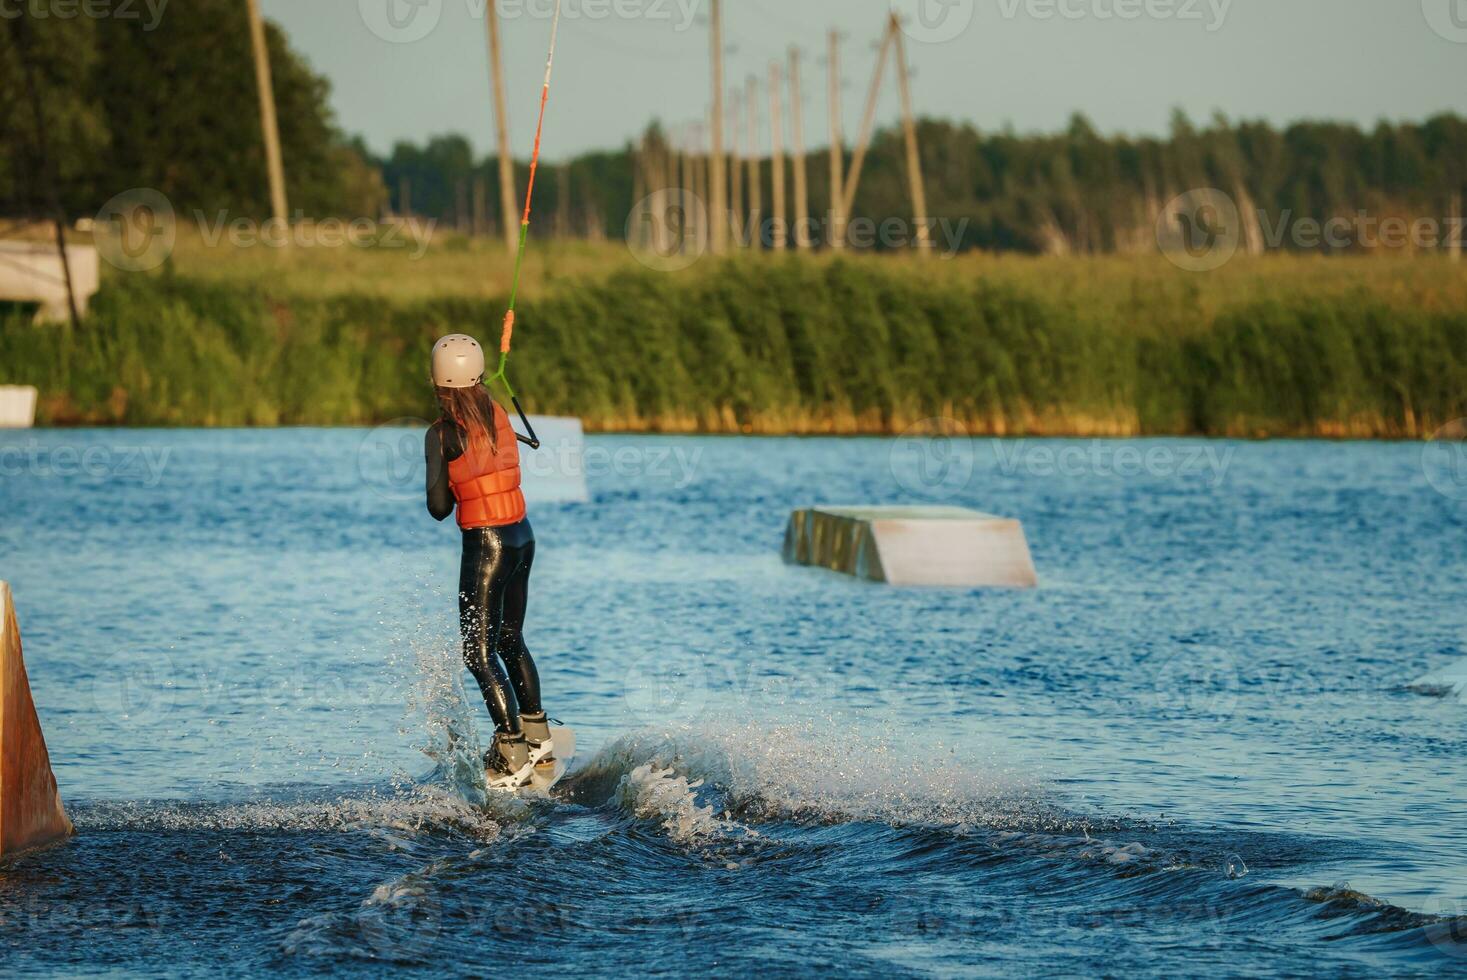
[493,589]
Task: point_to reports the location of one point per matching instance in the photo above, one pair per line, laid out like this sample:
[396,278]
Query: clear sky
[409,69]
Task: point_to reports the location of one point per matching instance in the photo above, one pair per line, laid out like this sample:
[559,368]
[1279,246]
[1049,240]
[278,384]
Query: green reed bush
[812,345]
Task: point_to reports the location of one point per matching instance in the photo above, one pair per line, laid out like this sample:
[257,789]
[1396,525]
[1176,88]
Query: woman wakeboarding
[474,467]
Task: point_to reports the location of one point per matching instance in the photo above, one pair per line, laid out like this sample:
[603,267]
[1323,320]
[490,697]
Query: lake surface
[1194,749]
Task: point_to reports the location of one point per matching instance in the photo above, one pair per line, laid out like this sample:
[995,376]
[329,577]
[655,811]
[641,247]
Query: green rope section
[514,294]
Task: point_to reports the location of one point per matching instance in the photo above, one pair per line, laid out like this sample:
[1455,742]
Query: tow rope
[507,336]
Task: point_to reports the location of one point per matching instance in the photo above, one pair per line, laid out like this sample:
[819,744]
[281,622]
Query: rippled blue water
[1193,749]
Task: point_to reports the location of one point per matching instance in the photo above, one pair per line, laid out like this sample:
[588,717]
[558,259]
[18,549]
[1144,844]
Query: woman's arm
[440,494]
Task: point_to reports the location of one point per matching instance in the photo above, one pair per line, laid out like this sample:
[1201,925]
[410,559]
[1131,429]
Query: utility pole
[914,154]
[853,179]
[718,207]
[271,129]
[837,150]
[802,179]
[776,156]
[736,172]
[1454,247]
[690,190]
[756,178]
[501,128]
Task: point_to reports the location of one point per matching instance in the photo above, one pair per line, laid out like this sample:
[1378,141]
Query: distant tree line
[1070,192]
[173,106]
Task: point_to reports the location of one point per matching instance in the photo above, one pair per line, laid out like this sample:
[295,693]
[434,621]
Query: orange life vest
[486,484]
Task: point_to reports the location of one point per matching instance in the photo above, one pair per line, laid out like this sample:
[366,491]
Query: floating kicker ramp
[934,546]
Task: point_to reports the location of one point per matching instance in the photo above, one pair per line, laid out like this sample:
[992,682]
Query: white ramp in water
[556,472]
[941,546]
[1446,682]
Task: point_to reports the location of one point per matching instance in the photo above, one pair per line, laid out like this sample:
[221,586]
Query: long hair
[472,411]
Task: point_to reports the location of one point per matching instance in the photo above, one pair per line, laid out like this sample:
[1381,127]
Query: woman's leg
[483,577]
[511,640]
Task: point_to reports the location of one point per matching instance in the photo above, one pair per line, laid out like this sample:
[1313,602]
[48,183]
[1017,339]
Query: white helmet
[458,362]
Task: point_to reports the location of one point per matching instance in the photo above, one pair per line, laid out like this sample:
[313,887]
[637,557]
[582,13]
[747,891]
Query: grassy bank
[1273,346]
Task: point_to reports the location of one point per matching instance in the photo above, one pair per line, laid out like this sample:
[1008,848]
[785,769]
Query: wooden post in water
[268,124]
[31,813]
